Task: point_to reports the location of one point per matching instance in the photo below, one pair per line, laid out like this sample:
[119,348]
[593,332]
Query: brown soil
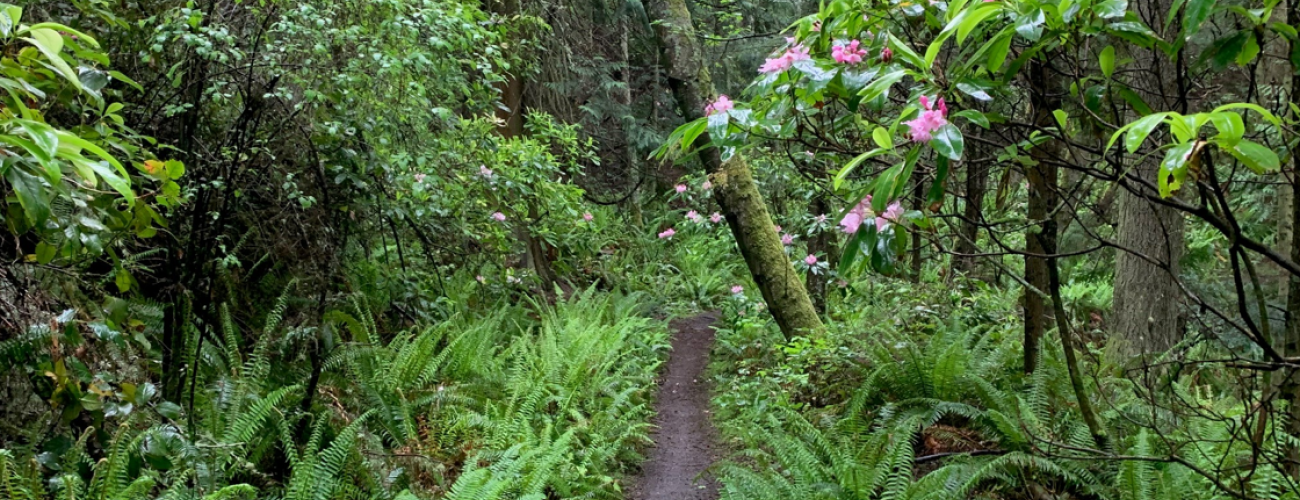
[684,442]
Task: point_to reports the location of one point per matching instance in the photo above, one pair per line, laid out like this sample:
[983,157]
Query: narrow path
[684,445]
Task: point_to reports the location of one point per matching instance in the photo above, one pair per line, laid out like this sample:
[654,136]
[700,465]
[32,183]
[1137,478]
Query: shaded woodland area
[428,249]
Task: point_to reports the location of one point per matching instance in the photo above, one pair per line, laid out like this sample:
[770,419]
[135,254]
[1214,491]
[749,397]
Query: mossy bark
[735,191]
[752,226]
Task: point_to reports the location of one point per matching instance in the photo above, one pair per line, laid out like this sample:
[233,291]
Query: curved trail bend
[684,442]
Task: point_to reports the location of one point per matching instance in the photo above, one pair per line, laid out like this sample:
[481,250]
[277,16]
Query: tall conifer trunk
[734,189]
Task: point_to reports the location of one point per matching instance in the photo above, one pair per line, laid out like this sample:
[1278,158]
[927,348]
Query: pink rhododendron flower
[787,239]
[820,218]
[587,216]
[693,216]
[932,118]
[893,213]
[776,227]
[810,259]
[785,61]
[886,55]
[484,171]
[419,178]
[848,54]
[737,289]
[853,219]
[681,188]
[716,217]
[721,105]
[500,217]
[706,186]
[667,234]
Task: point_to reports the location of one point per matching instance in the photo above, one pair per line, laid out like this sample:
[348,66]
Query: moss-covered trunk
[735,190]
[776,278]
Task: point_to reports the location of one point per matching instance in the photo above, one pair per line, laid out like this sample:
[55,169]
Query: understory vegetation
[431,249]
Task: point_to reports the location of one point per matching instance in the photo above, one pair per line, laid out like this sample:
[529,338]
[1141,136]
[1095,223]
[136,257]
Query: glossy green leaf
[1255,156]
[1195,13]
[948,141]
[1230,127]
[1107,61]
[882,138]
[1141,129]
[1174,168]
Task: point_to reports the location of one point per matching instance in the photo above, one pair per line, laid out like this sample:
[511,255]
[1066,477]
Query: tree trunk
[976,180]
[1291,344]
[734,187]
[1145,315]
[821,243]
[1040,237]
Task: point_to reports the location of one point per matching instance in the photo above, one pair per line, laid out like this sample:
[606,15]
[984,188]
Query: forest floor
[684,445]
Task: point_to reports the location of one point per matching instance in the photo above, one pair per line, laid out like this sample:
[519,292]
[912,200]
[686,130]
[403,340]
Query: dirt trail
[684,442]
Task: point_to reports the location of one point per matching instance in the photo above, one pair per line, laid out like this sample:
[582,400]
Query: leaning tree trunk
[735,190]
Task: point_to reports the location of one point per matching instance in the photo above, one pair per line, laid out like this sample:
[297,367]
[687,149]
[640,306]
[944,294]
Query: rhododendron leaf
[854,79]
[974,116]
[1140,130]
[882,138]
[1255,156]
[1230,127]
[1173,168]
[853,164]
[998,49]
[1263,113]
[935,195]
[1107,60]
[974,90]
[948,141]
[882,84]
[1062,119]
[904,51]
[1107,9]
[1195,13]
[31,192]
[977,15]
[852,249]
[1030,25]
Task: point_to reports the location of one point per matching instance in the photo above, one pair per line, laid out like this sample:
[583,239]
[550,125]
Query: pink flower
[681,188]
[893,213]
[810,259]
[820,218]
[693,216]
[723,104]
[419,178]
[481,279]
[859,213]
[500,217]
[587,216]
[787,239]
[706,186]
[736,289]
[932,118]
[716,217]
[484,171]
[848,54]
[785,61]
[886,55]
[776,227]
[667,234]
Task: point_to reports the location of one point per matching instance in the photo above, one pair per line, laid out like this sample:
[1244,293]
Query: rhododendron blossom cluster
[785,61]
[853,220]
[667,234]
[933,116]
[693,216]
[499,217]
[722,104]
[716,217]
[849,53]
[681,188]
